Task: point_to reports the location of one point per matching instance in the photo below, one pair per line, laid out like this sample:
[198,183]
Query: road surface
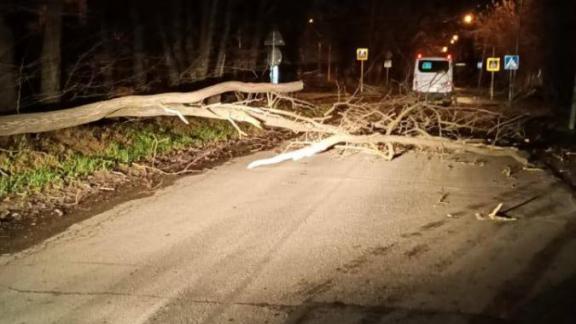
[331,239]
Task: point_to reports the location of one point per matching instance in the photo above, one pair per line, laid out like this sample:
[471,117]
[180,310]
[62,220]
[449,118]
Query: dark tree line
[64,52]
[69,51]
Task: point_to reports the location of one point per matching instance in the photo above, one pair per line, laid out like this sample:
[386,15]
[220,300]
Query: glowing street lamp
[452,42]
[468,19]
[445,49]
[455,38]
[311,20]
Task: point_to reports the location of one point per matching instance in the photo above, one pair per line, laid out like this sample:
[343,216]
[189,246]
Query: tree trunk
[8,86]
[257,38]
[51,58]
[189,44]
[138,48]
[165,104]
[222,51]
[572,122]
[107,62]
[82,8]
[171,65]
[210,9]
[178,35]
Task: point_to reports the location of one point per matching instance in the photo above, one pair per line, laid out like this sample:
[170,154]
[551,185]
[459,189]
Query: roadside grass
[35,163]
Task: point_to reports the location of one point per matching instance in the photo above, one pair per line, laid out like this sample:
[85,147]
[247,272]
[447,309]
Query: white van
[433,78]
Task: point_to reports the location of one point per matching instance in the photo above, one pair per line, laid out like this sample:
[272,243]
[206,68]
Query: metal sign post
[274,40]
[362,56]
[512,64]
[388,66]
[492,66]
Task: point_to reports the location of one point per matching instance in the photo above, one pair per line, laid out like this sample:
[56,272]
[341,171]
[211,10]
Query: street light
[455,38]
[445,49]
[311,20]
[468,19]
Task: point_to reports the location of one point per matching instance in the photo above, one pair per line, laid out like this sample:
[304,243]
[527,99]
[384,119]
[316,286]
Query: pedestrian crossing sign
[362,54]
[511,62]
[493,64]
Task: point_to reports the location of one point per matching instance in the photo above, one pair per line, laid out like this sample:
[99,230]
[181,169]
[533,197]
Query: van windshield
[433,66]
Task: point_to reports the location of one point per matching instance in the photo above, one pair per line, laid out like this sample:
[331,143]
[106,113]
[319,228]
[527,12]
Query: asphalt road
[332,239]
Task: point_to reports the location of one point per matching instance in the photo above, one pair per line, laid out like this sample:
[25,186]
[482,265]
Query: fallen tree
[382,127]
[131,106]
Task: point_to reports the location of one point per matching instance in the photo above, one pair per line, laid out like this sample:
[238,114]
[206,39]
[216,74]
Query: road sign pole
[361,55]
[387,76]
[361,76]
[510,87]
[492,86]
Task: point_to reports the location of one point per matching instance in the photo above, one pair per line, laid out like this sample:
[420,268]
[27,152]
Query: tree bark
[8,76]
[51,58]
[136,106]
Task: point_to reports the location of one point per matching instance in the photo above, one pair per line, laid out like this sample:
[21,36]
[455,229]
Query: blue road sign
[511,62]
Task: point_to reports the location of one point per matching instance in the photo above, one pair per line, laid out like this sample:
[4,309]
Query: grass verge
[37,163]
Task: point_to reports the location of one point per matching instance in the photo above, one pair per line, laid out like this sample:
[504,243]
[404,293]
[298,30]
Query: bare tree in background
[222,51]
[511,28]
[169,58]
[178,35]
[138,48]
[51,58]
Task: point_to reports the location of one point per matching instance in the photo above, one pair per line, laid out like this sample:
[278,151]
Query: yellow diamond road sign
[362,54]
[493,64]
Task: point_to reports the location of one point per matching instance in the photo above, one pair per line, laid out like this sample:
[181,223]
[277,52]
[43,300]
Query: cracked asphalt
[331,239]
